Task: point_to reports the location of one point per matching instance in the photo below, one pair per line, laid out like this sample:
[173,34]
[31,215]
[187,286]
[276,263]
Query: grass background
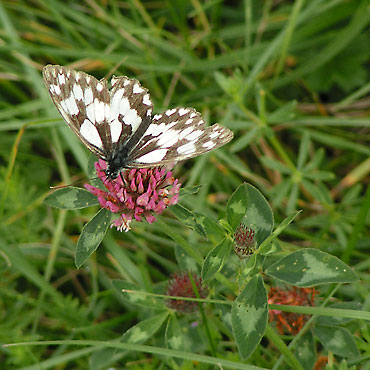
[291,79]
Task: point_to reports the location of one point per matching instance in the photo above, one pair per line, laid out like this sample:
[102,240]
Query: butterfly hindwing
[177,134]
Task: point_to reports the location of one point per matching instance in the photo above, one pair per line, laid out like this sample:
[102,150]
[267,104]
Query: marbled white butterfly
[117,125]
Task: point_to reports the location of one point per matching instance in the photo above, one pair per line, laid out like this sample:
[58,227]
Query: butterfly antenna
[106,178]
[72,184]
[60,186]
[120,175]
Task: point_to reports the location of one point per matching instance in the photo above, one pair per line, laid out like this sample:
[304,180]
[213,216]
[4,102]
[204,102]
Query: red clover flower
[136,193]
[244,241]
[181,286]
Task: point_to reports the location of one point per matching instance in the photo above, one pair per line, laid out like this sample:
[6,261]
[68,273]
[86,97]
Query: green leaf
[270,248]
[91,236]
[249,206]
[177,337]
[308,267]
[233,85]
[266,247]
[303,150]
[315,161]
[222,81]
[243,141]
[189,218]
[318,192]
[191,190]
[145,329]
[337,340]
[71,198]
[215,259]
[305,351]
[292,198]
[91,172]
[185,261]
[101,358]
[275,165]
[249,316]
[283,114]
[252,267]
[214,231]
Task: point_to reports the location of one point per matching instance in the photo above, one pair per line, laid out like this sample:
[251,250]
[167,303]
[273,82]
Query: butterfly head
[114,167]
[111,174]
[116,162]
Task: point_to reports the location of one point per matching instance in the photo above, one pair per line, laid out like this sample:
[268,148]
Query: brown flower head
[180,285]
[290,322]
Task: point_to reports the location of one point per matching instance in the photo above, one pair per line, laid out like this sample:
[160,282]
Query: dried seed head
[290,322]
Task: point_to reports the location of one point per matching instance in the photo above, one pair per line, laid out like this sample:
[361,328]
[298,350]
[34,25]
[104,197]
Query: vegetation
[269,243]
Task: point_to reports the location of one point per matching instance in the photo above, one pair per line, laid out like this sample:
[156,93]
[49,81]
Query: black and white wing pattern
[102,119]
[175,135]
[117,125]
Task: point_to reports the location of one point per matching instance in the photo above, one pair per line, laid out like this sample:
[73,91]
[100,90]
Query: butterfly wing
[102,119]
[117,126]
[175,135]
[83,102]
[130,106]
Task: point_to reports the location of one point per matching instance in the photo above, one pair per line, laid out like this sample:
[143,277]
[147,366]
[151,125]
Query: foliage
[291,79]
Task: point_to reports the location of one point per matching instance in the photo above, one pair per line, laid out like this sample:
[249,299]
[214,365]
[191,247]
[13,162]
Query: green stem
[304,310]
[218,362]
[276,144]
[282,347]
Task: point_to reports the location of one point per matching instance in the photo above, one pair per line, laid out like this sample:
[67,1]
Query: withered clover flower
[244,241]
[136,193]
[180,285]
[290,322]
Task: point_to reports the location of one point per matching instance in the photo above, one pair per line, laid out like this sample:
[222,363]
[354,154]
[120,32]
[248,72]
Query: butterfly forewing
[130,105]
[77,97]
[175,135]
[102,119]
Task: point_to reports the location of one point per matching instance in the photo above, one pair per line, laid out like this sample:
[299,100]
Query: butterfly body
[116,162]
[117,124]
[119,157]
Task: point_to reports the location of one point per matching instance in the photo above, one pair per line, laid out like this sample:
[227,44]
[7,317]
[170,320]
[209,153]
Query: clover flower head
[180,285]
[136,193]
[290,322]
[244,241]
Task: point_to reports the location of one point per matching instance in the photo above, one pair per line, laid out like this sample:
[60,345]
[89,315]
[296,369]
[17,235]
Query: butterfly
[115,121]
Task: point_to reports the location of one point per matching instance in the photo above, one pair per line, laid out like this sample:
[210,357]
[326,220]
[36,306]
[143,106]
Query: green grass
[291,80]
